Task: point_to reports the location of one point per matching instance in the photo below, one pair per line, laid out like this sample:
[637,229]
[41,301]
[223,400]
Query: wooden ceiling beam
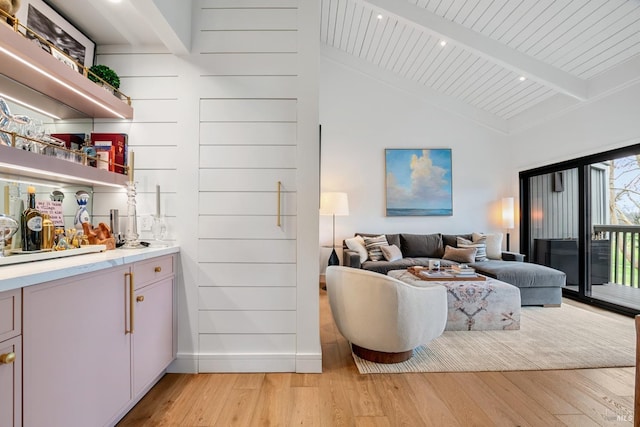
[484,46]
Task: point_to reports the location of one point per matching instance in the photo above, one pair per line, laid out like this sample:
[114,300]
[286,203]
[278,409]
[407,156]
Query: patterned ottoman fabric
[475,305]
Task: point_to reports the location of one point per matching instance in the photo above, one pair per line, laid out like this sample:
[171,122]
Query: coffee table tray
[423,273]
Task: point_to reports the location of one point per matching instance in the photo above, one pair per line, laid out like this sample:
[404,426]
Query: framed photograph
[50,25]
[418,182]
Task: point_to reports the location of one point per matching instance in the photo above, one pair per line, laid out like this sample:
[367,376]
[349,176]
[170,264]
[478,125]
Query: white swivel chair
[384,318]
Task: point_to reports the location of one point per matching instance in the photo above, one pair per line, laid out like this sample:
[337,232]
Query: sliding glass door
[583,217]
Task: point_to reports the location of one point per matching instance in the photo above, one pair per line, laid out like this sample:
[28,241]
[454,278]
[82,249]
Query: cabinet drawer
[10,317]
[151,270]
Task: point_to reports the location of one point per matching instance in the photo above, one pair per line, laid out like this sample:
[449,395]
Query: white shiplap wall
[218,129]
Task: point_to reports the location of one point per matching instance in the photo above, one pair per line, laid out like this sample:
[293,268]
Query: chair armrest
[512,256]
[351,259]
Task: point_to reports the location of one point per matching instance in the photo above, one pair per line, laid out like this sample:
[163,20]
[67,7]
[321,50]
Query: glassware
[8,227]
[131,237]
[159,231]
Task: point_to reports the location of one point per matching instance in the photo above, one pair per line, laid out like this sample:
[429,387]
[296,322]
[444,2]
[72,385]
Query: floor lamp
[507,216]
[333,204]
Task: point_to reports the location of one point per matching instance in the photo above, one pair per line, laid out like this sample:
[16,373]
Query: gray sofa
[539,285]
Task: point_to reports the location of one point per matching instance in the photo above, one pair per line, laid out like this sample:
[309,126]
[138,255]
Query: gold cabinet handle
[157,269]
[131,303]
[278,222]
[7,358]
[140,298]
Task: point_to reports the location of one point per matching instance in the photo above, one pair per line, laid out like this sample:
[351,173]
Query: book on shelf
[112,148]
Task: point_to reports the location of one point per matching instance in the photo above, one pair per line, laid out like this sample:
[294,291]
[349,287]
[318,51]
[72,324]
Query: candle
[131,154]
[157,201]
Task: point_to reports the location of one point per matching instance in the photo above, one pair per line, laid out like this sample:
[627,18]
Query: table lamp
[333,203]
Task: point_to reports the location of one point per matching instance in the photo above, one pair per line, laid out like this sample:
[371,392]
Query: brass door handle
[131,303]
[140,298]
[157,269]
[278,221]
[7,358]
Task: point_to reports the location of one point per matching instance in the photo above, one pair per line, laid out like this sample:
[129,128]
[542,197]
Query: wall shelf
[16,164]
[38,74]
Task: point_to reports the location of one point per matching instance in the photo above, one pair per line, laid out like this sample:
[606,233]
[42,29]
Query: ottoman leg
[381,356]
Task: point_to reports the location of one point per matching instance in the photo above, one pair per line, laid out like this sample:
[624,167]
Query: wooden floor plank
[340,396]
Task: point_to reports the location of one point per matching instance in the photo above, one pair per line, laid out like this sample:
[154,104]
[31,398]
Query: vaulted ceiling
[503,63]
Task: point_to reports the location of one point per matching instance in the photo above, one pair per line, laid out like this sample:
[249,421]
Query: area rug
[564,337]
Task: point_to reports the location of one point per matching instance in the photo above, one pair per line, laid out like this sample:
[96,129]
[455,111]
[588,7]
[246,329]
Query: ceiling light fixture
[522,78]
[379,16]
[443,43]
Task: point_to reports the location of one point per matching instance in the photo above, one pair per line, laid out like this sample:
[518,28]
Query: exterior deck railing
[625,252]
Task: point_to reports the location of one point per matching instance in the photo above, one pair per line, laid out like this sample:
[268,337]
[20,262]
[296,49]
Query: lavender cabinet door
[76,365]
[153,347]
[11,382]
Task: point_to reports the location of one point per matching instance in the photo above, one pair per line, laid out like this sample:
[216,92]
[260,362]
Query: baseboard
[210,363]
[185,363]
[309,363]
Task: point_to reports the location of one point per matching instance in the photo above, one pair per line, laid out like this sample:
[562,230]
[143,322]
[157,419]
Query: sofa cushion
[464,255]
[391,252]
[521,274]
[373,246]
[452,239]
[481,248]
[357,244]
[493,242]
[421,245]
[393,239]
[383,267]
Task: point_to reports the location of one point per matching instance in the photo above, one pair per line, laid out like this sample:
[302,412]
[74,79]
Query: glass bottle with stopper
[159,226]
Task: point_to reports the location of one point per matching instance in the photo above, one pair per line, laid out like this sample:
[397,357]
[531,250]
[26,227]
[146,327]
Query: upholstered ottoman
[474,305]
[538,284]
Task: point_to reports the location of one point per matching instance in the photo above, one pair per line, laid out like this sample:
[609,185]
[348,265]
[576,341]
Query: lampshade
[333,203]
[507,213]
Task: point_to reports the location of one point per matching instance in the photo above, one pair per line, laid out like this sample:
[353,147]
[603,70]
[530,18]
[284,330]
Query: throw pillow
[357,244]
[391,252]
[373,246]
[421,245]
[493,242]
[463,255]
[481,248]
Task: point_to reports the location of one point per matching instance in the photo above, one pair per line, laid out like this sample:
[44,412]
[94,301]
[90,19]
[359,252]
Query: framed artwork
[50,25]
[418,182]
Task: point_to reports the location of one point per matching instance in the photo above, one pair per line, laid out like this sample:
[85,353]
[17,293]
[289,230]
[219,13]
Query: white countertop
[32,273]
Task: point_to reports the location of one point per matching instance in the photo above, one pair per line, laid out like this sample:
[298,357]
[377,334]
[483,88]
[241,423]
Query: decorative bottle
[82,215]
[48,237]
[31,222]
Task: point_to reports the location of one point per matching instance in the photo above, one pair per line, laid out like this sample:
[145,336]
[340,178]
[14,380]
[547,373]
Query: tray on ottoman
[424,273]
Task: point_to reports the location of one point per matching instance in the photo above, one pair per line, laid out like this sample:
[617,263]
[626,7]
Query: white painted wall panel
[252,64]
[247,179]
[248,87]
[146,87]
[248,344]
[247,251]
[148,157]
[155,111]
[246,227]
[250,203]
[248,110]
[248,41]
[148,64]
[247,322]
[144,133]
[272,157]
[250,19]
[264,133]
[221,274]
[250,298]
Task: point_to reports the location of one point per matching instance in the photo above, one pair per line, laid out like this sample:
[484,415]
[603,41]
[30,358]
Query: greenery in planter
[106,74]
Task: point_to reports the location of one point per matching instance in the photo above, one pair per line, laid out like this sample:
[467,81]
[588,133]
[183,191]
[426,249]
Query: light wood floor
[340,396]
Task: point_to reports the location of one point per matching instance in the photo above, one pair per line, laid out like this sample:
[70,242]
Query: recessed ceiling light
[522,78]
[379,16]
[443,43]
[115,1]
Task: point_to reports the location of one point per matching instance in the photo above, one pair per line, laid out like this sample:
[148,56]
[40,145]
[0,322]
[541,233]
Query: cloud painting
[418,182]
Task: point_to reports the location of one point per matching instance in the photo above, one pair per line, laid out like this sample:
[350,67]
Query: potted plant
[106,74]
